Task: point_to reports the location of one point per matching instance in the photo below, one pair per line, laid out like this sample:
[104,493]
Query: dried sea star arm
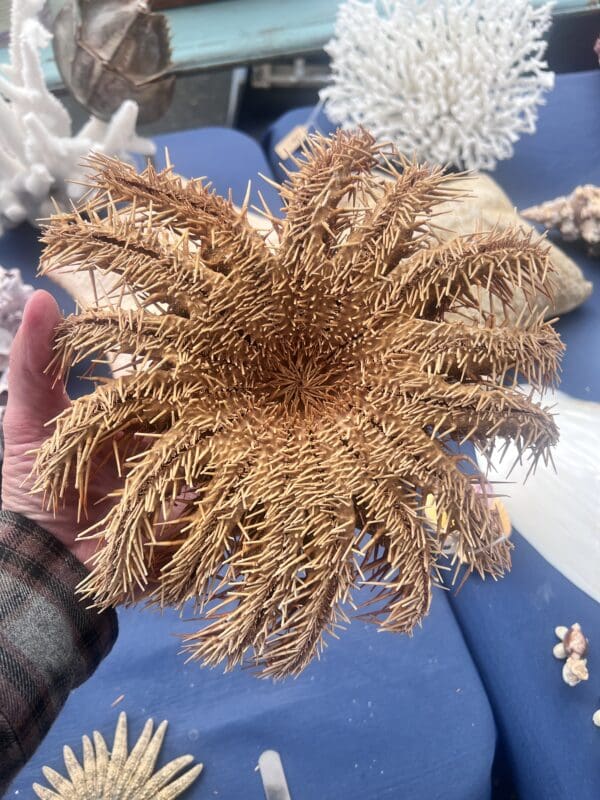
[330,174]
[487,413]
[426,467]
[404,198]
[211,533]
[139,262]
[323,571]
[286,604]
[393,548]
[470,353]
[215,527]
[476,412]
[268,600]
[315,613]
[167,340]
[129,531]
[166,202]
[223,240]
[316,220]
[399,565]
[384,223]
[83,429]
[444,278]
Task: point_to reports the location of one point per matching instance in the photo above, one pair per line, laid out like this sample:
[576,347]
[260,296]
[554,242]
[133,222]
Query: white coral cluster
[39,156]
[13,296]
[450,81]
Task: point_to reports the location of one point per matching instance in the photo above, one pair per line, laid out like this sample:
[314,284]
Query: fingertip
[41,311]
[29,386]
[32,347]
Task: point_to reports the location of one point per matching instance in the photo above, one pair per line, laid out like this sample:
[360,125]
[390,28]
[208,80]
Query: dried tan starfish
[300,397]
[119,774]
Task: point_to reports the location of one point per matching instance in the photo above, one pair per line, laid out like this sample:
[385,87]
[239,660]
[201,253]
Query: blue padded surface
[304,115]
[545,726]
[379,716]
[509,625]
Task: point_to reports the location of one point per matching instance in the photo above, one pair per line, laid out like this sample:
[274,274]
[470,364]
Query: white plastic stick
[273,776]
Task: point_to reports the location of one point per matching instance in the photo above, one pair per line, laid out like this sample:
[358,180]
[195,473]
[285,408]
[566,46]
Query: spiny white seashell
[559,651]
[574,671]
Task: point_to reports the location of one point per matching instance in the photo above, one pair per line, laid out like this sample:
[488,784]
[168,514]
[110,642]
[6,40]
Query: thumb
[32,397]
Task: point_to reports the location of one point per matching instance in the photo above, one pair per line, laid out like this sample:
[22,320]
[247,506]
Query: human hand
[33,401]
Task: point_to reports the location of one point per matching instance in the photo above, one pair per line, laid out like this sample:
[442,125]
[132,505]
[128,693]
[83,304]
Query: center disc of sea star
[301,385]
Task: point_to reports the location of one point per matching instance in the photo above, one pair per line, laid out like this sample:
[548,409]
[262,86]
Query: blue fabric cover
[380,716]
[545,726]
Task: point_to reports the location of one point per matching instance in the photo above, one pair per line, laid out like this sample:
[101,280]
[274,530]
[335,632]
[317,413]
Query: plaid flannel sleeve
[49,641]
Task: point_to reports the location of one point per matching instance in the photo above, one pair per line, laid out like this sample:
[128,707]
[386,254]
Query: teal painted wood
[231,32]
[242,31]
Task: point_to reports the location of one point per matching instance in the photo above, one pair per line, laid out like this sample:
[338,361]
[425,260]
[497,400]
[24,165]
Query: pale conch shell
[558,512]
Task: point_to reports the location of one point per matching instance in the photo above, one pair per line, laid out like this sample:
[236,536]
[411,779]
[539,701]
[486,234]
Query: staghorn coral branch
[40,158]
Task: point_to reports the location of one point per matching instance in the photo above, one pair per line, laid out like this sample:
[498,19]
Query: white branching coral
[449,81]
[13,296]
[39,156]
